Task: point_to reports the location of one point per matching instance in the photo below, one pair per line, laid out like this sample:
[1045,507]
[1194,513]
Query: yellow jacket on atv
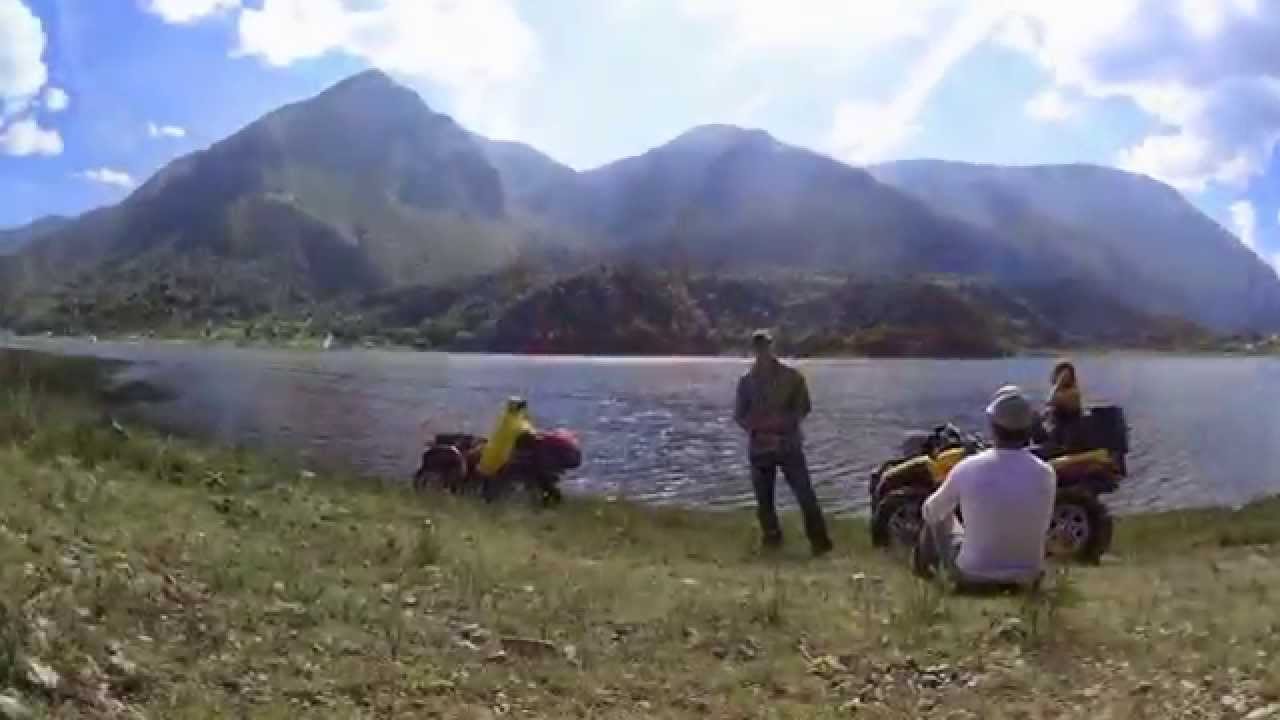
[512,423]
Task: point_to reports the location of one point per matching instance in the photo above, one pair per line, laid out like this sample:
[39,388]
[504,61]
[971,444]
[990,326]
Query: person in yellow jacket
[1065,405]
[512,423]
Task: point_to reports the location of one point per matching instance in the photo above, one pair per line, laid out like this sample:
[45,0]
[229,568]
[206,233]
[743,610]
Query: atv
[537,464]
[1081,525]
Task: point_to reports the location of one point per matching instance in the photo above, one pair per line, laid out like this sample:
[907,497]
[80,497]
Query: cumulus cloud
[181,12]
[476,49]
[108,176]
[1050,106]
[842,26]
[165,131]
[56,99]
[864,132]
[25,137]
[1244,220]
[22,68]
[1206,70]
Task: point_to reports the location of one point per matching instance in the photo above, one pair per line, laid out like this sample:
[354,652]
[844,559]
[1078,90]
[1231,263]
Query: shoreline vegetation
[148,576]
[234,337]
[629,311]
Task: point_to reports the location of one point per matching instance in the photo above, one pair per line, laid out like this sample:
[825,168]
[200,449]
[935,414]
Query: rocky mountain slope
[363,202]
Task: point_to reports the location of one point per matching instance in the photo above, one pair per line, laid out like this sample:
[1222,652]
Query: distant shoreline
[314,344]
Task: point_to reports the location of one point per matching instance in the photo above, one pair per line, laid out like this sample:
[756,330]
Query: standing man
[773,399]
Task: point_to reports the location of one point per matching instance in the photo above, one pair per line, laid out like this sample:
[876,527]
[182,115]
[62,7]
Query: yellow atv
[1081,526]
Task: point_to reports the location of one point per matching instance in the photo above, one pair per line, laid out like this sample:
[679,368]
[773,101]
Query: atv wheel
[897,520]
[439,480]
[1080,527]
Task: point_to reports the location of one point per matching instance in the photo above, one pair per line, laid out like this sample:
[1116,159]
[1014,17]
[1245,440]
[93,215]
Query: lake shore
[318,344]
[187,581]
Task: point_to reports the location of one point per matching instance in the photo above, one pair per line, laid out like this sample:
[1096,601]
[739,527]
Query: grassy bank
[159,577]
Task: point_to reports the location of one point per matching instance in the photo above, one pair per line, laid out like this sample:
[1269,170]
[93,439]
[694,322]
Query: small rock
[42,677]
[692,637]
[1142,688]
[1264,713]
[11,708]
[120,666]
[1010,630]
[496,657]
[571,654]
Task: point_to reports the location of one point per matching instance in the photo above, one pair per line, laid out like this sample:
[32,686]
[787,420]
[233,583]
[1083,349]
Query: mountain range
[363,204]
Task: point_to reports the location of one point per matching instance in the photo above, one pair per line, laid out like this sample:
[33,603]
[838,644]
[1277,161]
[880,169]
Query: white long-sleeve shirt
[1006,498]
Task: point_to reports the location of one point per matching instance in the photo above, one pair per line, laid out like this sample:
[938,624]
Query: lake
[1205,430]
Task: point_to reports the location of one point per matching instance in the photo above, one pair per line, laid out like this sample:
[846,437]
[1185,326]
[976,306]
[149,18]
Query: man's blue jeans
[764,475]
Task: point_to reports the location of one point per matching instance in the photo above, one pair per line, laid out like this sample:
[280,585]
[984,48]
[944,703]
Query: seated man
[1005,496]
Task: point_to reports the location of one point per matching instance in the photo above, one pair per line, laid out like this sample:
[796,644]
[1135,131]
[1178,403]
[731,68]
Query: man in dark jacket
[772,401]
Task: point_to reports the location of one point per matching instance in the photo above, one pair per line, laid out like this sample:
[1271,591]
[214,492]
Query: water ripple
[1206,430]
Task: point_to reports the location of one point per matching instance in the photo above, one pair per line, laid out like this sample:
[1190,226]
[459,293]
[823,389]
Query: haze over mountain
[358,188]
[1136,237]
[363,190]
[14,239]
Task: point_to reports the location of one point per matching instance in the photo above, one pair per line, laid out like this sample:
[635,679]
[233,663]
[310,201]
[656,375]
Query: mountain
[1138,239]
[14,239]
[363,205]
[635,309]
[359,188]
[726,198]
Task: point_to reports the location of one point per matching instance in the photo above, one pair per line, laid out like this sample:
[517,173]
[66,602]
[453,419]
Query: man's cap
[1010,410]
[761,337]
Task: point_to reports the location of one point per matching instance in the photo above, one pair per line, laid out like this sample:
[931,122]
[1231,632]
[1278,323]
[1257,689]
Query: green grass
[238,589]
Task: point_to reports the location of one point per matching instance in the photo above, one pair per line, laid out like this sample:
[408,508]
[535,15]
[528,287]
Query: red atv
[538,462]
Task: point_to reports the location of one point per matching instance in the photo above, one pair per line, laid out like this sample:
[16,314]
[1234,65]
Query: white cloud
[478,49]
[1051,106]
[863,132]
[56,99]
[22,69]
[107,176]
[181,12]
[1206,70]
[843,26]
[165,131]
[26,137]
[1244,220]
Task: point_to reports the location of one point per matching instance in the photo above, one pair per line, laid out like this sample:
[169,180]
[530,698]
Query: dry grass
[236,589]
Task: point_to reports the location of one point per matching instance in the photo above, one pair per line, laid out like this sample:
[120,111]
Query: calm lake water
[1205,430]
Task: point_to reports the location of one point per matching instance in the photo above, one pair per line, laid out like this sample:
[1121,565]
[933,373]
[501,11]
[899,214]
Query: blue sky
[95,96]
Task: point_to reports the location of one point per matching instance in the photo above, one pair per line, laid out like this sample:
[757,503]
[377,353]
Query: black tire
[553,497]
[546,494]
[887,528]
[1081,526]
[494,489]
[421,479]
[437,480]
